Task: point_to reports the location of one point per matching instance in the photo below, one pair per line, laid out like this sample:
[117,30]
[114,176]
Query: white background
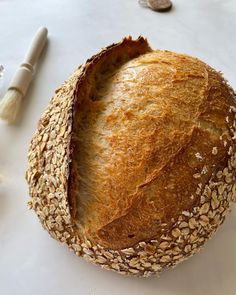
[30,261]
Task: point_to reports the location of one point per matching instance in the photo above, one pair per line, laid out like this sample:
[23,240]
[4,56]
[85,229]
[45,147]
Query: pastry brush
[20,82]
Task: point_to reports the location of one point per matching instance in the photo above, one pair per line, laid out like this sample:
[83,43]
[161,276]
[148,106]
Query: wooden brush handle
[36,46]
[23,75]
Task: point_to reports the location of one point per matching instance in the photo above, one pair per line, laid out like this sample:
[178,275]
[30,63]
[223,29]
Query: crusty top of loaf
[146,136]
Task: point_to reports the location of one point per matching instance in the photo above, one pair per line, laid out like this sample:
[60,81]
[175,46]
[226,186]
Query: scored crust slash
[133,162]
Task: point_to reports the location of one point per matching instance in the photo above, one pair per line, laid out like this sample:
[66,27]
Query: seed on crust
[204,220]
[101,259]
[214,150]
[192,223]
[133,270]
[204,208]
[197,175]
[163,245]
[176,232]
[165,259]
[128,251]
[185,231]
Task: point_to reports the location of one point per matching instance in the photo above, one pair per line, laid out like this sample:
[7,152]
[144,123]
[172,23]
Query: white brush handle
[36,47]
[23,75]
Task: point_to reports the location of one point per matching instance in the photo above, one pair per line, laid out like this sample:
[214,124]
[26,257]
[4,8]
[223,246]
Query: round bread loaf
[133,162]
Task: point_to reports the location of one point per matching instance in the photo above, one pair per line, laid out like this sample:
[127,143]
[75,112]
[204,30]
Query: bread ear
[112,56]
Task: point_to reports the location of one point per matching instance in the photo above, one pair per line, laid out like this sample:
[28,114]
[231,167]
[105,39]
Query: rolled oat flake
[159,5]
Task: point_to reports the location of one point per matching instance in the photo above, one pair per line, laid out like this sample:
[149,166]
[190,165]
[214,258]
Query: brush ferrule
[21,79]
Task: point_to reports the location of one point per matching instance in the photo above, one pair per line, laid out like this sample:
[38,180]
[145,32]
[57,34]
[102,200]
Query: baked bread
[133,162]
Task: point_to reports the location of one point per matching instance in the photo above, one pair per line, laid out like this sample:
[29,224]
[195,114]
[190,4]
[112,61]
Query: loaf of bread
[133,162]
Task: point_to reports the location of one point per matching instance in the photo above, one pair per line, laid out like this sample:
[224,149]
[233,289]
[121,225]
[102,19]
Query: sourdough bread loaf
[133,162]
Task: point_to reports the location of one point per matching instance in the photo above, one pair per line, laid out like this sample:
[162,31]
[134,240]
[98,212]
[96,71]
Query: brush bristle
[10,105]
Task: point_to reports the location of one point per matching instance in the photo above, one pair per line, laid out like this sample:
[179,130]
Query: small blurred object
[157,5]
[1,70]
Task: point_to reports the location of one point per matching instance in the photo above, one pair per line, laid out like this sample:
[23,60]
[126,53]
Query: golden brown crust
[112,56]
[140,153]
[156,135]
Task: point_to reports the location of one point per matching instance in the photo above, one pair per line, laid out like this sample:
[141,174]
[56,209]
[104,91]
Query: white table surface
[30,261]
